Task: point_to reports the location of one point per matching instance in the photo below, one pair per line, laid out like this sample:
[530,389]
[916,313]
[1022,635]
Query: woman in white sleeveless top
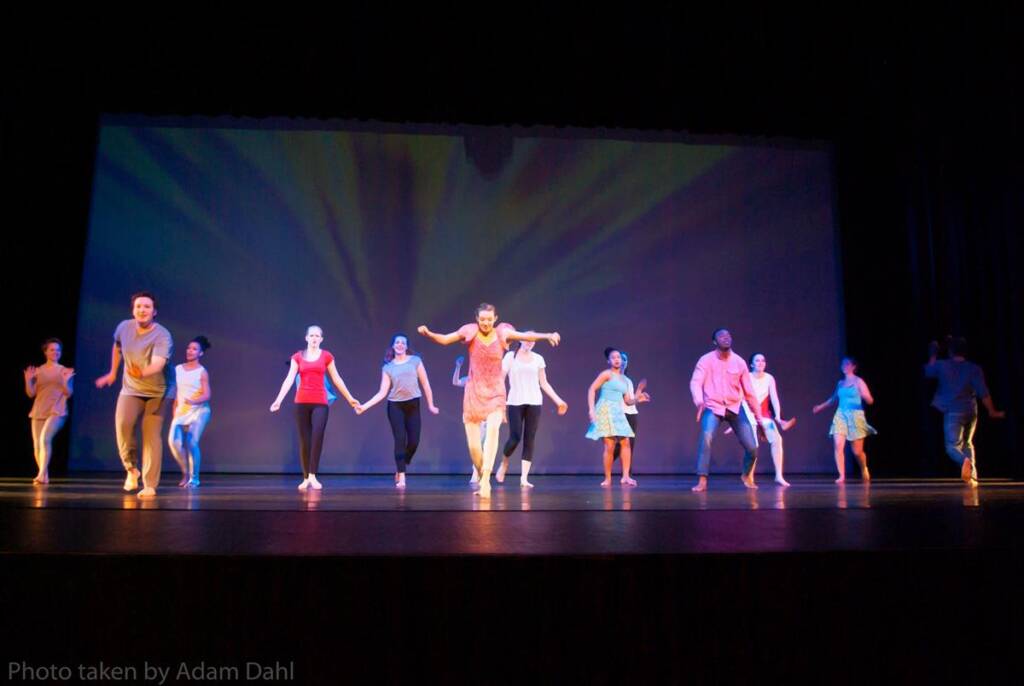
[191,411]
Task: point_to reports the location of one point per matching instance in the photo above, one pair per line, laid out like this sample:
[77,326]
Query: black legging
[404,417]
[311,419]
[631,418]
[522,426]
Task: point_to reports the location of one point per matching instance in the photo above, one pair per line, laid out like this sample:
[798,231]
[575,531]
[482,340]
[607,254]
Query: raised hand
[422,329]
[30,373]
[554,339]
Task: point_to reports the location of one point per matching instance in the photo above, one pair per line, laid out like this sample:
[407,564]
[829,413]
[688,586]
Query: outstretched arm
[773,393]
[385,385]
[293,369]
[332,369]
[865,394]
[592,391]
[428,393]
[550,391]
[991,408]
[67,377]
[748,392]
[30,381]
[443,339]
[457,378]
[553,338]
[831,399]
[155,366]
[115,362]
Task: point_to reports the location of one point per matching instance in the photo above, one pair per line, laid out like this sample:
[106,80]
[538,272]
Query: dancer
[485,391]
[401,379]
[311,408]
[961,384]
[771,425]
[607,420]
[719,383]
[49,386]
[191,411]
[526,378]
[146,346]
[460,381]
[849,423]
[632,412]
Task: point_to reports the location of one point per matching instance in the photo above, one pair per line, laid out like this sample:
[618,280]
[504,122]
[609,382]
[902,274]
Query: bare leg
[37,440]
[609,454]
[524,479]
[626,452]
[473,443]
[839,444]
[774,437]
[862,458]
[502,469]
[490,452]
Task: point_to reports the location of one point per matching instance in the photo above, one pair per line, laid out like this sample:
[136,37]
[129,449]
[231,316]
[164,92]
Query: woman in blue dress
[849,423]
[607,420]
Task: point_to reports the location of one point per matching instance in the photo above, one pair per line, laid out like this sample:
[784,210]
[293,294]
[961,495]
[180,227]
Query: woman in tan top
[50,386]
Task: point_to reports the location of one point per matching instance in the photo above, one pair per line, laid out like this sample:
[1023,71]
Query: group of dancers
[723,389]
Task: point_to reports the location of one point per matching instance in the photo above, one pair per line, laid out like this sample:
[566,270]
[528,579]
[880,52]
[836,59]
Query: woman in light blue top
[849,423]
[607,419]
[401,378]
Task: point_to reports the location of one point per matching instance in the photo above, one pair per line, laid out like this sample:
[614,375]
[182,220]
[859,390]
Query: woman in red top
[311,408]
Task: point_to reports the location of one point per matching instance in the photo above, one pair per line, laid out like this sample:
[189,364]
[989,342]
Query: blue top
[613,389]
[960,383]
[405,384]
[849,398]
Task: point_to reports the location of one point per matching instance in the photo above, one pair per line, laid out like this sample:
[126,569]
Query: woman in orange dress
[484,398]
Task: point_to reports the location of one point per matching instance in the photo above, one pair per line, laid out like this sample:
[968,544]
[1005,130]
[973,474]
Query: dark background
[922,109]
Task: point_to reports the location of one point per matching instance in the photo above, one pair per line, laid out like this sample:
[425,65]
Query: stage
[563,515]
[537,585]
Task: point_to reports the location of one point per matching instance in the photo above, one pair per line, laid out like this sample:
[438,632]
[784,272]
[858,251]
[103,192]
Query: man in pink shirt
[720,382]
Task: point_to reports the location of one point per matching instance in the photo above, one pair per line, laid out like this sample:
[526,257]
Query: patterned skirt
[611,422]
[852,424]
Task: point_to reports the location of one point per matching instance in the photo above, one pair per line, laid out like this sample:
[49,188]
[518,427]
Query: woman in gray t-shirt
[401,378]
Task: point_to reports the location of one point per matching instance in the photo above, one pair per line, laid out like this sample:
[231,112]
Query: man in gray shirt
[961,384]
[145,391]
